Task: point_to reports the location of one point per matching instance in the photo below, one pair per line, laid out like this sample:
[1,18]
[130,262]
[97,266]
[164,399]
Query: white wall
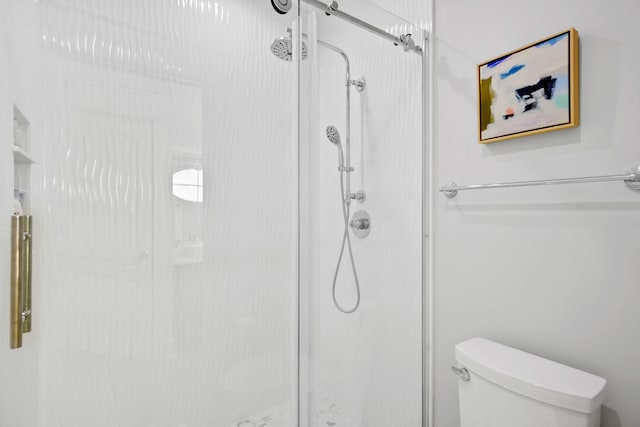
[552,271]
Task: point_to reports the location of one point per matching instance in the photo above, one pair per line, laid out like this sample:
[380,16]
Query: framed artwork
[531,90]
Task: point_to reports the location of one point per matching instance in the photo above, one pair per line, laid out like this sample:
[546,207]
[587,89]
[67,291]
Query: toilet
[500,386]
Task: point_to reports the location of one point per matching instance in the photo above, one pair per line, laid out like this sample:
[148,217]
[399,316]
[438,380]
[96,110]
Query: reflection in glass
[187,189]
[187,185]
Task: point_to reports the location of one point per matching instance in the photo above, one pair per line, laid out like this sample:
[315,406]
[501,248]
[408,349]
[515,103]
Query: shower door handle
[21,262]
[27,261]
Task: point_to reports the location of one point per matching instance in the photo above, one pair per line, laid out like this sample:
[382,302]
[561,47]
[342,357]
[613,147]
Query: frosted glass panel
[168,228]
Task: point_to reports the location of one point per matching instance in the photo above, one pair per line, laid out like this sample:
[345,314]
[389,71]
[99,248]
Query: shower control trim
[360,224]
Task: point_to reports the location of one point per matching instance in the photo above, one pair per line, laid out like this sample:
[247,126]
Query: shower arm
[358,83]
[348,82]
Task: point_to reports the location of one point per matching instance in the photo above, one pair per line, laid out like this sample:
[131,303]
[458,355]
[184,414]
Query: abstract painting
[531,90]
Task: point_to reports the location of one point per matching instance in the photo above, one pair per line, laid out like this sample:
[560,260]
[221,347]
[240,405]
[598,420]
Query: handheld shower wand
[334,136]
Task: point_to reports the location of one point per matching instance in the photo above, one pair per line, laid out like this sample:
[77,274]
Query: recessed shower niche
[21,231]
[21,162]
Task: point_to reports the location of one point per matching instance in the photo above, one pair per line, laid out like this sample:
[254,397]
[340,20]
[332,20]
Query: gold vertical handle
[27,245]
[21,261]
[16,290]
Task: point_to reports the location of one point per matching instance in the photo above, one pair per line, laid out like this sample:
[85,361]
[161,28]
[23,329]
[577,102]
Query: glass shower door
[362,297]
[168,212]
[188,202]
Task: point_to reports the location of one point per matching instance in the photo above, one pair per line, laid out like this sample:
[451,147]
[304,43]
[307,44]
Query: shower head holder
[360,84]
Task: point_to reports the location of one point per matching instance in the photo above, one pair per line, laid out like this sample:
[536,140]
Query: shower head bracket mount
[360,84]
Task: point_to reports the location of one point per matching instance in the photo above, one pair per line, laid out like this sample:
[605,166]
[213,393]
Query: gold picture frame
[531,90]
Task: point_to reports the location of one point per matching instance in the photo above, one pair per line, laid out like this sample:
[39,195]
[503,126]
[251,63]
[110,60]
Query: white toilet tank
[510,388]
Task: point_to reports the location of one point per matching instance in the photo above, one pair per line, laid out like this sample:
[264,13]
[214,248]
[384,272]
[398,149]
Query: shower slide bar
[631,180]
[403,40]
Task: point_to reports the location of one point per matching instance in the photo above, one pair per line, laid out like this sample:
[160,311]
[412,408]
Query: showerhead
[282,48]
[333,135]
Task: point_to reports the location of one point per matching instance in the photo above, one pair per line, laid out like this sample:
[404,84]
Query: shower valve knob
[360,224]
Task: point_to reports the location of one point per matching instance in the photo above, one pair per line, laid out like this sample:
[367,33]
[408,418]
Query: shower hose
[346,206]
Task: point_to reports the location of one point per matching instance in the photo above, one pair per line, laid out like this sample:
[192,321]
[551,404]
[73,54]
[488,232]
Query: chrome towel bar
[631,180]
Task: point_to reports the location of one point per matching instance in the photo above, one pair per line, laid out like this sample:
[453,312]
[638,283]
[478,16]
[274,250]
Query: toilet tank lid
[532,376]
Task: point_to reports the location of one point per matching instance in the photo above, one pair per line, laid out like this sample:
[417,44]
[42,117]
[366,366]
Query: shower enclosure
[203,257]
